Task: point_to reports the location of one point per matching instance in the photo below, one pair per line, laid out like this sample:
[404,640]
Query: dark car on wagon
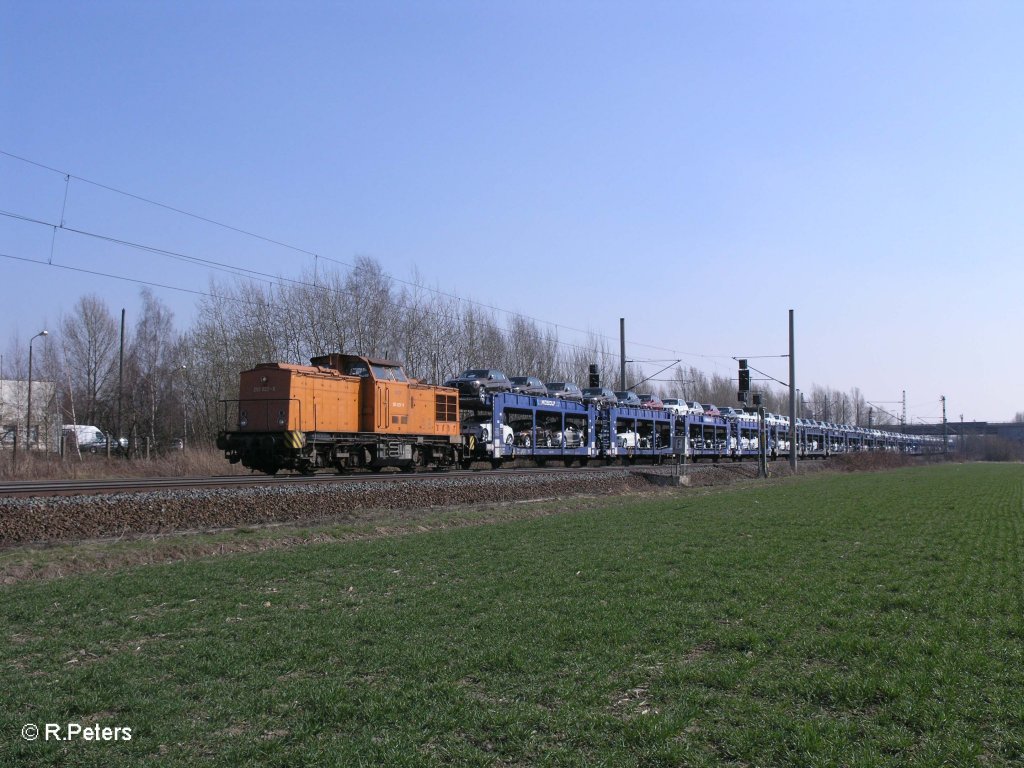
[475,383]
[600,396]
[528,385]
[627,399]
[566,390]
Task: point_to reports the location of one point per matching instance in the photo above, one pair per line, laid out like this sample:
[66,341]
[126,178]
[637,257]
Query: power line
[265,277]
[142,199]
[115,277]
[237,271]
[220,266]
[318,256]
[270,302]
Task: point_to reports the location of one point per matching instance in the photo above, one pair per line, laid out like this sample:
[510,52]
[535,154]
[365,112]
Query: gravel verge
[62,518]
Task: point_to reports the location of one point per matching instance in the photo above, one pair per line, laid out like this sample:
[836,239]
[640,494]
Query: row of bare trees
[138,391]
[170,384]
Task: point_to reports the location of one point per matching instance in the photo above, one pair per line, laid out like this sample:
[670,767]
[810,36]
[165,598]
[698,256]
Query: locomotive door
[383,407]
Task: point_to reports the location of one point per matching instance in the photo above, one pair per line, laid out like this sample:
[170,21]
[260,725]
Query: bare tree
[154,378]
[91,336]
[370,308]
[482,342]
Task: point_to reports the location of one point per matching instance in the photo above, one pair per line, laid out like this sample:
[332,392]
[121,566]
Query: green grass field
[853,620]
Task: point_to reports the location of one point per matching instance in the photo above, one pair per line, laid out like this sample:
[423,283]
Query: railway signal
[744,378]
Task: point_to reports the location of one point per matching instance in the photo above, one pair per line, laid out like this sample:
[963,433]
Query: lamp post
[28,415]
[184,413]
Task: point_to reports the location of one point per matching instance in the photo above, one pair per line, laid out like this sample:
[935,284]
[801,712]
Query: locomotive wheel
[466,463]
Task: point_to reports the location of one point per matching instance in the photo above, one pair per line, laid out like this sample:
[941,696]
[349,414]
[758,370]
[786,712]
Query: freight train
[347,412]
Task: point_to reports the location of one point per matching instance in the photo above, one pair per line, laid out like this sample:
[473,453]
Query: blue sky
[698,168]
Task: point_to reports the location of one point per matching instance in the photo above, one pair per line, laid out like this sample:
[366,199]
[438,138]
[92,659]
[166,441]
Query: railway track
[30,488]
[38,513]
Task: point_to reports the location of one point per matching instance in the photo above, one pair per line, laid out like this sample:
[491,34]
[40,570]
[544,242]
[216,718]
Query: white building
[45,423]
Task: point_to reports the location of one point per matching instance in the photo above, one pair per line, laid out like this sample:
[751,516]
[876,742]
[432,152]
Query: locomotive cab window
[388,373]
[358,369]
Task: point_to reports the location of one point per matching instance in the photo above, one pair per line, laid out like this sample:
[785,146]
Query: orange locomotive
[342,411]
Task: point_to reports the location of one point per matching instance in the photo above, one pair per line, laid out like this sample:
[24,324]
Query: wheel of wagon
[496,463]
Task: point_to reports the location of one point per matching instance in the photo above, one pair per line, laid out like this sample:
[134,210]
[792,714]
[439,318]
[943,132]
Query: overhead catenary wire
[256,276]
[227,297]
[317,256]
[251,274]
[165,206]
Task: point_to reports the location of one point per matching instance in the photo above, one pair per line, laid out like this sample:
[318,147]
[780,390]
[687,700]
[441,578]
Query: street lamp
[28,419]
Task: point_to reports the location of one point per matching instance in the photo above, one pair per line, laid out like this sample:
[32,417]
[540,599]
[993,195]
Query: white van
[88,438]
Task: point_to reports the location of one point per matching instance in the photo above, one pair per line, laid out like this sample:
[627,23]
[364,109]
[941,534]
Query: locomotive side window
[357,369]
[445,408]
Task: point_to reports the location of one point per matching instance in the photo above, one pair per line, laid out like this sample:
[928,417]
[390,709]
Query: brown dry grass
[869,462]
[193,461]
